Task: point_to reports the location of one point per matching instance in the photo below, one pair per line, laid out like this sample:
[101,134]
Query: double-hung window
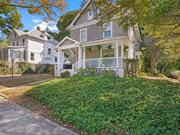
[107,30]
[32,56]
[90,15]
[83,35]
[49,51]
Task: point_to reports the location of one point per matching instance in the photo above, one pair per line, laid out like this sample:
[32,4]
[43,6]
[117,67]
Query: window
[32,56]
[107,30]
[13,43]
[90,15]
[49,38]
[49,51]
[41,36]
[55,59]
[17,43]
[83,35]
[23,41]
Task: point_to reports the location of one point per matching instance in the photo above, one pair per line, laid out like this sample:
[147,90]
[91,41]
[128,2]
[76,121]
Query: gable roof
[19,32]
[36,34]
[73,44]
[67,38]
[79,14]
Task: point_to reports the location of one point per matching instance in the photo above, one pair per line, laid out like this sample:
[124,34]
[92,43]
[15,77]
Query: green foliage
[23,66]
[96,72]
[29,70]
[63,23]
[158,18]
[4,69]
[112,104]
[49,69]
[9,19]
[65,74]
[3,43]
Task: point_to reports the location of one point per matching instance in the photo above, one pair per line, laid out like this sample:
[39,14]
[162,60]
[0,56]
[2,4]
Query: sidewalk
[16,120]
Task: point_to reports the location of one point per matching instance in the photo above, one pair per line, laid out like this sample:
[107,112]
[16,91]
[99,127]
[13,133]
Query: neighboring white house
[35,47]
[93,46]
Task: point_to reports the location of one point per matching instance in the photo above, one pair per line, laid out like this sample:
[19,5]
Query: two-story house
[91,45]
[35,47]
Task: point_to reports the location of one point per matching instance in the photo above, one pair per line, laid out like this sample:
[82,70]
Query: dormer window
[49,38]
[90,15]
[41,36]
[23,41]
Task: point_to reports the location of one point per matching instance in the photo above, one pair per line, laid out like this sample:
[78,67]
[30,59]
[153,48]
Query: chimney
[38,28]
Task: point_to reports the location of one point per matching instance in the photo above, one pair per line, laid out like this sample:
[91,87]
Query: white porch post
[117,54]
[9,55]
[79,57]
[60,60]
[84,57]
[100,60]
[122,53]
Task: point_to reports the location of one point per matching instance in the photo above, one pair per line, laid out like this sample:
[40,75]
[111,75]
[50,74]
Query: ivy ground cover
[112,105]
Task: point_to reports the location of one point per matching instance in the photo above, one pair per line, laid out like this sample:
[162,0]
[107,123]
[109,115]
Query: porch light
[89,49]
[110,46]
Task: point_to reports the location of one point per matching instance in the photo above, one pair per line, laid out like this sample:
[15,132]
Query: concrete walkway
[16,120]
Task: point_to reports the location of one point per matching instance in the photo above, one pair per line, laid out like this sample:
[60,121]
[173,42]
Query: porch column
[9,55]
[60,60]
[117,54]
[79,57]
[122,53]
[84,57]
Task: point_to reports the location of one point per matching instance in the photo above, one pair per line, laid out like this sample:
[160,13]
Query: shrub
[4,69]
[48,69]
[24,67]
[29,71]
[96,72]
[65,74]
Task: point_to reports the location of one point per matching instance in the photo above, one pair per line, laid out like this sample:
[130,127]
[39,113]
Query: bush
[48,69]
[4,69]
[96,72]
[65,74]
[24,67]
[29,71]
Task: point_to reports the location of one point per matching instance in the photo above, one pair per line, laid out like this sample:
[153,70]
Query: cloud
[36,21]
[51,26]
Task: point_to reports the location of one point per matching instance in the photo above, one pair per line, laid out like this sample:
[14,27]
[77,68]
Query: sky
[31,21]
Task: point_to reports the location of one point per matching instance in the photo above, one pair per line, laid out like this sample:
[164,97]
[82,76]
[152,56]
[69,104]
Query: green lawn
[113,105]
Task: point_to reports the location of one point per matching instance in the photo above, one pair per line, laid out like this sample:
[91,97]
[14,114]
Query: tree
[63,23]
[3,43]
[158,18]
[46,8]
[10,18]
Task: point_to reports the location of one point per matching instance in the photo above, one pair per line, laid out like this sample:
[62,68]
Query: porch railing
[111,62]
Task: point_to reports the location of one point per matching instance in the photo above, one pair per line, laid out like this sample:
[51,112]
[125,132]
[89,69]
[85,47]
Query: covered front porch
[103,55]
